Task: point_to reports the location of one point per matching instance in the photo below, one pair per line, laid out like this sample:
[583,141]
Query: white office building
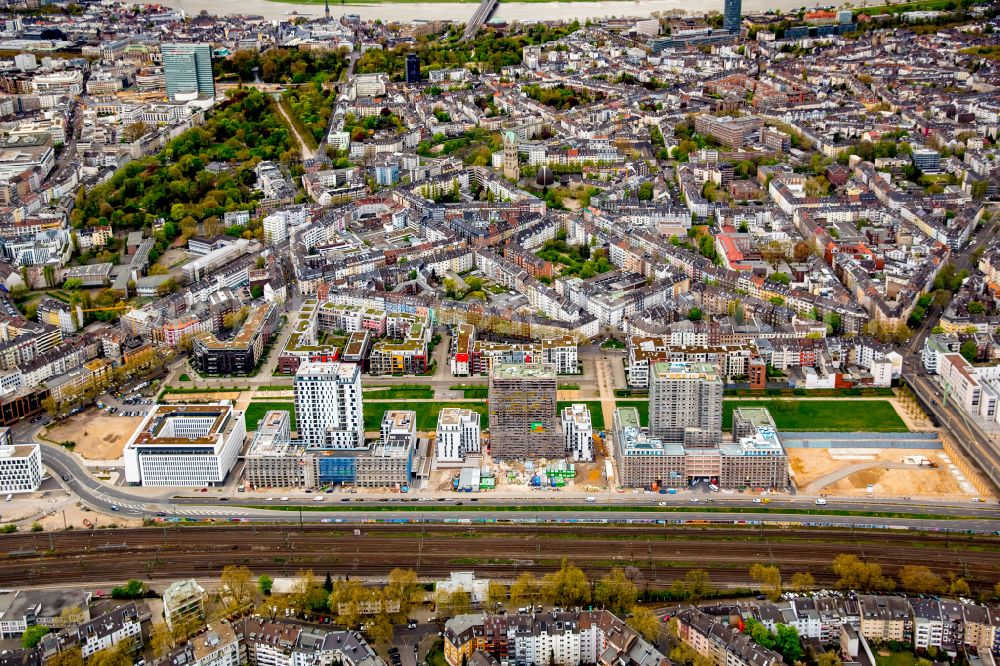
[185,445]
[20,466]
[458,435]
[579,432]
[328,407]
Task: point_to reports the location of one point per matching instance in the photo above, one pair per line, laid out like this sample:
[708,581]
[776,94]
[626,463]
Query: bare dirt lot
[814,465]
[96,437]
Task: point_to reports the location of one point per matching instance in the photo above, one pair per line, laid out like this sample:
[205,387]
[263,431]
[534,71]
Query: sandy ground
[97,437]
[913,416]
[73,516]
[208,396]
[810,464]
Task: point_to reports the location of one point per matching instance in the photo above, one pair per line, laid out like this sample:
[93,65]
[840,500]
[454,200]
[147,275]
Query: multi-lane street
[340,507]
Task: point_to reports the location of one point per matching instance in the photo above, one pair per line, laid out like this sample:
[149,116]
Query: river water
[462,11]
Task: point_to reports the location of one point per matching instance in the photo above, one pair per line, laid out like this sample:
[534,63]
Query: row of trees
[856,574]
[311,106]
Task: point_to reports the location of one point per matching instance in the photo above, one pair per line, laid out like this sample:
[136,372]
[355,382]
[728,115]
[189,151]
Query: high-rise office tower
[523,418]
[731,19]
[412,68]
[685,403]
[328,407]
[187,70]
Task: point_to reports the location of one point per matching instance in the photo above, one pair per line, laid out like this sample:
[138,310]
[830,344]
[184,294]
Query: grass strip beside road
[590,508]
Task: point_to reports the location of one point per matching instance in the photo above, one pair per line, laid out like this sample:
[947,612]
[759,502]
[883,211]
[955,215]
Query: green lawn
[818,415]
[596,413]
[895,659]
[807,415]
[472,392]
[427,412]
[398,392]
[184,377]
[435,656]
[256,410]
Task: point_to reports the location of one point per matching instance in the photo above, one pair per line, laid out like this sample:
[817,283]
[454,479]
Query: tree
[695,314]
[566,587]
[918,579]
[787,643]
[801,251]
[328,583]
[616,592]
[453,603]
[496,594]
[257,291]
[345,602]
[308,594]
[645,622]
[237,585]
[969,350]
[958,587]
[380,628]
[695,585]
[264,584]
[133,589]
[161,639]
[769,577]
[402,586]
[32,636]
[72,656]
[828,659]
[525,590]
[857,575]
[802,581]
[112,656]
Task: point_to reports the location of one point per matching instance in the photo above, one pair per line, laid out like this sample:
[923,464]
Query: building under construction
[524,423]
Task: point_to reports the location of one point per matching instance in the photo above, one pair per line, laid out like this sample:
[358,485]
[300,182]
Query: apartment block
[240,354]
[328,405]
[556,638]
[722,643]
[264,643]
[218,646]
[523,420]
[685,403]
[458,435]
[886,618]
[273,460]
[183,603]
[579,432]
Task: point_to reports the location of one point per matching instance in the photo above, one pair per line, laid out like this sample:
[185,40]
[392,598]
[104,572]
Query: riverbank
[462,10]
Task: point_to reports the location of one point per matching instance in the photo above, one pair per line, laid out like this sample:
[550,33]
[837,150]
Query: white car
[270,499]
[284,499]
[756,500]
[694,499]
[318,498]
[663,503]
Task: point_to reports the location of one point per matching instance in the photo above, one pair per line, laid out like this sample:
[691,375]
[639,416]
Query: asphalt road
[980,517]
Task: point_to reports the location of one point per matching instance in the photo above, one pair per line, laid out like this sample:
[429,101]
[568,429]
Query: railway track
[661,553]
